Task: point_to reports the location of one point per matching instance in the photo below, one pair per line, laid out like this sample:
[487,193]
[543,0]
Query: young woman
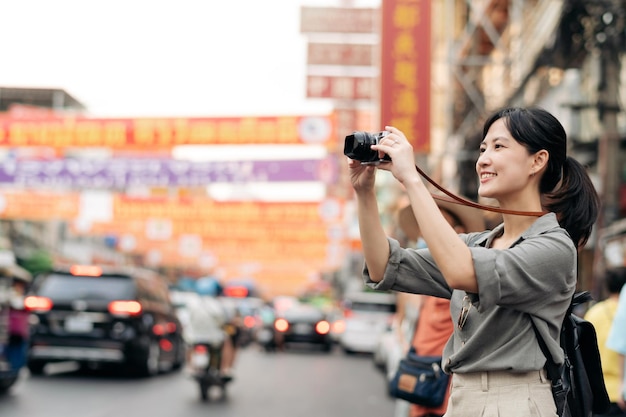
[498,281]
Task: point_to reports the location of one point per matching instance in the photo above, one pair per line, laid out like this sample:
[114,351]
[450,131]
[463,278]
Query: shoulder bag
[420,380]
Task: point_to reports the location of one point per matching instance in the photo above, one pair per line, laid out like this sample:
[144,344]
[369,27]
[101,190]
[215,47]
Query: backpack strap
[553,370]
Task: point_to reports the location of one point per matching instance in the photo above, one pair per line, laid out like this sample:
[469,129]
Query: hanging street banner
[205,209]
[16,204]
[121,173]
[155,133]
[405,70]
[38,205]
[280,245]
[308,231]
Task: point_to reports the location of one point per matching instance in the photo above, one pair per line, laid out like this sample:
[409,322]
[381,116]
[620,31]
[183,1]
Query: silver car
[367,316]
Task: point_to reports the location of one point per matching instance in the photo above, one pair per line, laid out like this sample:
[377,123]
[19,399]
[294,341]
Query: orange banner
[405,70]
[234,251]
[38,205]
[301,238]
[230,232]
[276,268]
[205,209]
[166,132]
[274,277]
[244,230]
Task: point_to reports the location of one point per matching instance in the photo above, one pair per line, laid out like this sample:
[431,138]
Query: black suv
[97,315]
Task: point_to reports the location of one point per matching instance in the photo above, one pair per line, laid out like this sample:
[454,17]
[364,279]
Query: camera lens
[357,146]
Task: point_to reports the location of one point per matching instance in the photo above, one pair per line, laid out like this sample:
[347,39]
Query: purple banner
[121,173]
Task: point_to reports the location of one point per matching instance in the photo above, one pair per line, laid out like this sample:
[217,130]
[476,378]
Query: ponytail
[575,202]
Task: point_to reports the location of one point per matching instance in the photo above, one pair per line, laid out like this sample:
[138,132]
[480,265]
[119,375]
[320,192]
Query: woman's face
[504,165]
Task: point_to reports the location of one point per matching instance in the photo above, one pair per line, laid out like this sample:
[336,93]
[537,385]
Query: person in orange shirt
[434,324]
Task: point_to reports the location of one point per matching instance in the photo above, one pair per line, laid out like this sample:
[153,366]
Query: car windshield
[68,287]
[303,311]
[373,307]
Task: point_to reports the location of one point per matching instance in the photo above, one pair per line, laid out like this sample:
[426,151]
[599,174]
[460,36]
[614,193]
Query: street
[298,382]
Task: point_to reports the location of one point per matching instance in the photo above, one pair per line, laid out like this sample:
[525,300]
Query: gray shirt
[534,279]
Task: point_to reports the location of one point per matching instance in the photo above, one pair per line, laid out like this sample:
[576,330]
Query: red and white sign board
[341,54]
[338,20]
[343,88]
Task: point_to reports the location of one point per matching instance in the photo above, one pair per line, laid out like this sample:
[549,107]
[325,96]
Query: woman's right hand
[362,177]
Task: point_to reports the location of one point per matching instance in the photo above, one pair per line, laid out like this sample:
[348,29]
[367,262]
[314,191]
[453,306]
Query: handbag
[420,380]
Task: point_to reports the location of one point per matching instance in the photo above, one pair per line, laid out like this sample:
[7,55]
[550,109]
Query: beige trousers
[501,394]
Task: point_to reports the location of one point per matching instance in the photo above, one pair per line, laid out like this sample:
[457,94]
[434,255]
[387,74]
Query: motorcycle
[208,344]
[205,364]
[265,335]
[266,338]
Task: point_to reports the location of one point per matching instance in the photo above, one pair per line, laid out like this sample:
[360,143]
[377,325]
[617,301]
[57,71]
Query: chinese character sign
[405,69]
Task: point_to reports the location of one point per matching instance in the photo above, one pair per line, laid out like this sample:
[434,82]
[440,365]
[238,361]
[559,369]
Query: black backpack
[578,385]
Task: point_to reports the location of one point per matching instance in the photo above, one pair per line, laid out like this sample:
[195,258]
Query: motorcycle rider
[206,324]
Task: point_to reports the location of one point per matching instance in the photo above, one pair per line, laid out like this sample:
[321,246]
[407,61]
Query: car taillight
[158,329]
[281,325]
[170,327]
[166,345]
[249,322]
[38,304]
[339,327]
[200,349]
[322,327]
[125,308]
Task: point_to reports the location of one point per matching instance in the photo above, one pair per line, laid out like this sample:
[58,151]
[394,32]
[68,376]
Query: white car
[367,316]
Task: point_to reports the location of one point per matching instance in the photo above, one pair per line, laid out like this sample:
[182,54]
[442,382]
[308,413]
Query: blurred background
[204,140]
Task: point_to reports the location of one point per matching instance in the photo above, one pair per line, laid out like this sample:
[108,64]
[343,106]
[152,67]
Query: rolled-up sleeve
[410,270]
[522,276]
[541,263]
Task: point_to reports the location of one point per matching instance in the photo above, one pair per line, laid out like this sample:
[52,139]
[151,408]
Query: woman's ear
[540,161]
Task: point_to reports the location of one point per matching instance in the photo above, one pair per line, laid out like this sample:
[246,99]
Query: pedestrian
[16,350]
[501,281]
[616,341]
[601,315]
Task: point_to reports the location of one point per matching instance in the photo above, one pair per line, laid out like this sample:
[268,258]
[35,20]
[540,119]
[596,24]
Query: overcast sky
[162,57]
[168,58]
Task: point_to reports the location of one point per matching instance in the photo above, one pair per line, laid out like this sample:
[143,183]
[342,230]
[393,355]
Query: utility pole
[609,142]
[607,35]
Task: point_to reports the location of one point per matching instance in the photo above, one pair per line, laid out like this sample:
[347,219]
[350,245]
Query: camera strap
[455,199]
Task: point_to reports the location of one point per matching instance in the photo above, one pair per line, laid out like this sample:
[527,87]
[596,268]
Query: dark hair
[455,218]
[615,279]
[565,184]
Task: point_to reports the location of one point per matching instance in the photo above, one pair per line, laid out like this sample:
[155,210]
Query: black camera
[357,146]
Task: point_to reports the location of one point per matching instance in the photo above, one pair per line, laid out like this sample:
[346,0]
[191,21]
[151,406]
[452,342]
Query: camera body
[357,146]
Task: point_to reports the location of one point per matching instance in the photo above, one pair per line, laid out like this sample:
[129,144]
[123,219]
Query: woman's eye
[481,150]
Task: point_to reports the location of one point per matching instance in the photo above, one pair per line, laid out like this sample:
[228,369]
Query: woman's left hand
[400,150]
